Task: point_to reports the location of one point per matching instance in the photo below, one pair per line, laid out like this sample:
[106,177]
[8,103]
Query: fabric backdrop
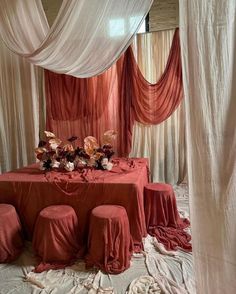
[113,100]
[86,38]
[208,42]
[164,144]
[165,165]
[20,113]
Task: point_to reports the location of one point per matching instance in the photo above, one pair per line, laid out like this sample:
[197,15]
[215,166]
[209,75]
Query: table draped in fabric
[30,190]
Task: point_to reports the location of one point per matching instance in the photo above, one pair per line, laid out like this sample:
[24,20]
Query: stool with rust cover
[11,242]
[110,244]
[55,238]
[162,217]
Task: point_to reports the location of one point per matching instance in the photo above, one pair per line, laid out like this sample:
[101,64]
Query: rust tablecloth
[30,190]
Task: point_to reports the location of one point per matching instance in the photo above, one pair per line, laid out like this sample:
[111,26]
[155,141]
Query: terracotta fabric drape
[162,217]
[11,241]
[58,224]
[83,191]
[113,100]
[110,245]
[163,144]
[154,103]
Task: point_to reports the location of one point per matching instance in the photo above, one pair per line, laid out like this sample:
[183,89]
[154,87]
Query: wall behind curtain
[20,89]
[163,144]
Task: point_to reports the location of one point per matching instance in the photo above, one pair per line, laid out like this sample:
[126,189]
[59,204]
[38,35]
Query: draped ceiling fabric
[19,110]
[208,42]
[113,100]
[163,144]
[86,38]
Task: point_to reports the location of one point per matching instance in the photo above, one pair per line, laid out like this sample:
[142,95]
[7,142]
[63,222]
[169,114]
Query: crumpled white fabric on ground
[151,285]
[174,271]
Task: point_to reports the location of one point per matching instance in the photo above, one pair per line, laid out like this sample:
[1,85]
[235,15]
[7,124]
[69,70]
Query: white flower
[69,166]
[109,166]
[55,164]
[106,164]
[54,146]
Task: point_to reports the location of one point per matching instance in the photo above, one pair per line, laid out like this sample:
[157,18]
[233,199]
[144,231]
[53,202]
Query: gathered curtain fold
[154,103]
[86,38]
[113,100]
[163,144]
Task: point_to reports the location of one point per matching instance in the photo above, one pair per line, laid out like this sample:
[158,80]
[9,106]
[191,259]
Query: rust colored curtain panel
[154,103]
[113,100]
[90,106]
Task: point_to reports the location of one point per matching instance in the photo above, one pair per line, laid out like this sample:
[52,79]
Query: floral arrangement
[54,154]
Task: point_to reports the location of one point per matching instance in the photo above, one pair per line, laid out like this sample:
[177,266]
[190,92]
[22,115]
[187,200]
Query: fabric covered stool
[11,242]
[162,217]
[110,245]
[55,236]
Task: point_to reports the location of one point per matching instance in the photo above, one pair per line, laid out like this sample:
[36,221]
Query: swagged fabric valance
[113,100]
[86,38]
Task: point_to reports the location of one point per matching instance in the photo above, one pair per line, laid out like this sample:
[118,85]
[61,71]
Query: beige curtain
[163,144]
[208,42]
[86,38]
[20,89]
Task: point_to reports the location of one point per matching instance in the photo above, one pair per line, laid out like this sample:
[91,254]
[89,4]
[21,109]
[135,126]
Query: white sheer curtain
[208,41]
[163,144]
[86,38]
[19,110]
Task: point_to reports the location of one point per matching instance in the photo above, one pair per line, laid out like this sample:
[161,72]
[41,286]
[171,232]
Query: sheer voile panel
[86,38]
[20,92]
[208,43]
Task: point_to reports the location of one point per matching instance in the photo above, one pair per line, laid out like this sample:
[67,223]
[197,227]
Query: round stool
[110,245]
[160,206]
[10,233]
[162,217]
[56,234]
